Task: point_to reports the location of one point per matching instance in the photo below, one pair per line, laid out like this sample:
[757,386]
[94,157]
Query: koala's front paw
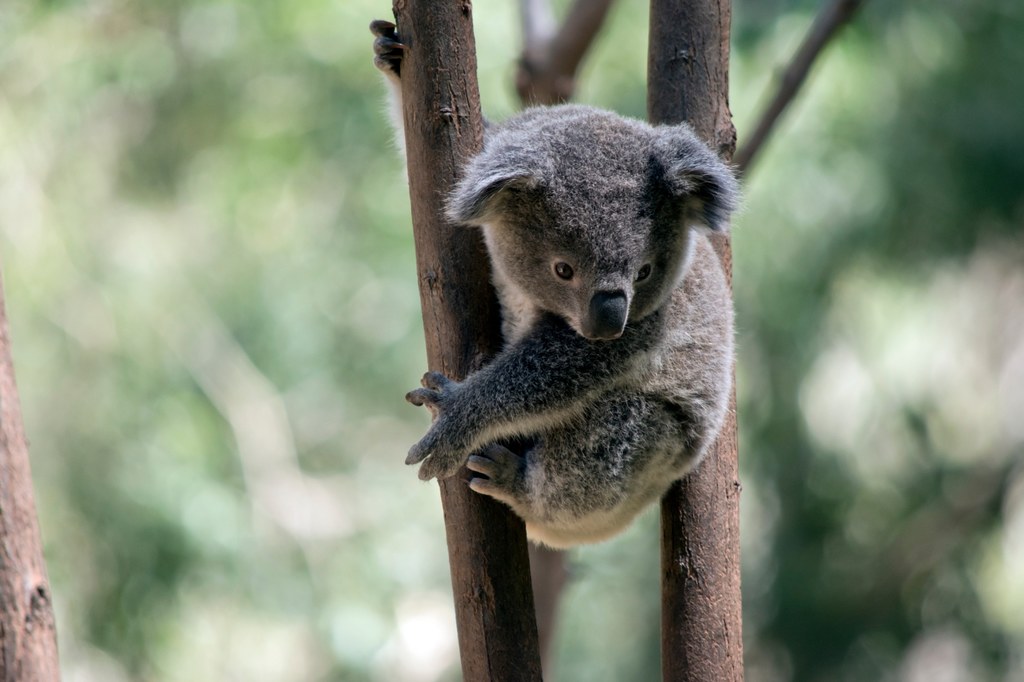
[503,472]
[445,447]
[388,49]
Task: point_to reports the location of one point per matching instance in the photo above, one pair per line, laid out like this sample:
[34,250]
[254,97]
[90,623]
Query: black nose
[607,316]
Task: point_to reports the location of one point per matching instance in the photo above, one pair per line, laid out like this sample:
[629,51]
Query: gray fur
[592,409]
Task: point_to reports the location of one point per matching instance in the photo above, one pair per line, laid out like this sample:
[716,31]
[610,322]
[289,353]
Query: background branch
[550,59]
[538,24]
[830,19]
[549,572]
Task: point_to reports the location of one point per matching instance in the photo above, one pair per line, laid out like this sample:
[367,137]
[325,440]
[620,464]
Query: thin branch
[832,17]
[538,22]
[547,68]
[928,537]
[305,507]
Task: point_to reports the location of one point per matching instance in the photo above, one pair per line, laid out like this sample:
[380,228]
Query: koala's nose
[607,316]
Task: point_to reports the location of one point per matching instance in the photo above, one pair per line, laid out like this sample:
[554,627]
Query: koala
[617,318]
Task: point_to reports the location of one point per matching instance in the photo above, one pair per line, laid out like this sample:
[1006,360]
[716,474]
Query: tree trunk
[701,626]
[28,639]
[443,127]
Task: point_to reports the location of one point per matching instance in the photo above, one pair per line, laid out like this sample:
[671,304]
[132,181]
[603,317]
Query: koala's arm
[547,378]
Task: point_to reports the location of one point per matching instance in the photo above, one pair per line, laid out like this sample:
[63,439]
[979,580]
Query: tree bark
[28,639]
[443,128]
[701,628]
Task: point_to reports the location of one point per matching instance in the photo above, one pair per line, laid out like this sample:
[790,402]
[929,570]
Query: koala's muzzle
[607,315]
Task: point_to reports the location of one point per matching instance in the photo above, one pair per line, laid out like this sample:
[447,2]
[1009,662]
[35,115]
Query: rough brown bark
[443,127]
[701,628]
[28,639]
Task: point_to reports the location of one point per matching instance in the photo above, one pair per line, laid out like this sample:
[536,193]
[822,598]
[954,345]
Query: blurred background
[206,247]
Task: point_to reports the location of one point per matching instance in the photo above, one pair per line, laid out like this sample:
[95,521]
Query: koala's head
[590,214]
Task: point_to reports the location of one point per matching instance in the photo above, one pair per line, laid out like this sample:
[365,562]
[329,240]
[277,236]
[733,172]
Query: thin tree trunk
[28,638]
[701,626]
[443,127]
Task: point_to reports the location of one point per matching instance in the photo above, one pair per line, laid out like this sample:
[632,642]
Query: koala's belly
[589,484]
[567,528]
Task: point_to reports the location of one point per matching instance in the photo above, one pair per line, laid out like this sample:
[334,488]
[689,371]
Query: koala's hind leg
[585,481]
[503,475]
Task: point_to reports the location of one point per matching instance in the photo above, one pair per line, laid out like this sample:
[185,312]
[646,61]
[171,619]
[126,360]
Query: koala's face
[589,215]
[598,279]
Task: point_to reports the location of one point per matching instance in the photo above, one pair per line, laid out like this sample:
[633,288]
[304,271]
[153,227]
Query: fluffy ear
[478,196]
[696,176]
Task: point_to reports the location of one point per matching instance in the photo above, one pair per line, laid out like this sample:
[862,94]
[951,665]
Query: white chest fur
[518,313]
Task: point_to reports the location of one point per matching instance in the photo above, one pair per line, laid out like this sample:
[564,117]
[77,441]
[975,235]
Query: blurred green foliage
[210,279]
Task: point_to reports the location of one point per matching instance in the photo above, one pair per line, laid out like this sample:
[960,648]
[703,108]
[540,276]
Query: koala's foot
[504,471]
[388,49]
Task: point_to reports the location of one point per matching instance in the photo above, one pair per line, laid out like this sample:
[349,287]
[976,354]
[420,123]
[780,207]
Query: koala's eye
[563,270]
[644,272]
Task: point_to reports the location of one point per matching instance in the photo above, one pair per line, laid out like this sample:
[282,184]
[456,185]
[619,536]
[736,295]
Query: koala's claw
[435,386]
[503,470]
[436,464]
[435,381]
[421,397]
[433,468]
[417,453]
[388,49]
[382,27]
[442,450]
